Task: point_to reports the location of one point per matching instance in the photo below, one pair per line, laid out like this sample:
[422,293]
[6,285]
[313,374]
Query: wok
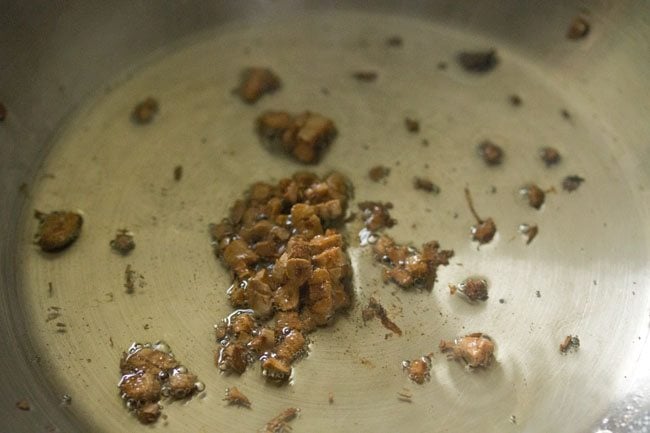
[71,73]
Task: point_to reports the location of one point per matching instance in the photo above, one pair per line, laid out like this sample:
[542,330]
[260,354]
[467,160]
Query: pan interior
[567,281]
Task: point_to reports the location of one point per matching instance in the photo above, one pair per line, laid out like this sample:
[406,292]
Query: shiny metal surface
[70,75]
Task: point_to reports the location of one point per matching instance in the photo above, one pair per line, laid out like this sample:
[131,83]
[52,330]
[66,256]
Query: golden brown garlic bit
[234,335]
[289,267]
[276,365]
[57,230]
[530,231]
[149,373]
[256,82]
[418,369]
[476,350]
[304,136]
[123,242]
[148,413]
[570,342]
[375,309]
[407,266]
[550,156]
[484,230]
[578,29]
[145,111]
[235,397]
[473,289]
[535,195]
[490,152]
[478,62]
[378,172]
[279,424]
[376,215]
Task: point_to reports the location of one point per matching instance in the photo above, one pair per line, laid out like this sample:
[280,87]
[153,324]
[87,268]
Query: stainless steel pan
[71,73]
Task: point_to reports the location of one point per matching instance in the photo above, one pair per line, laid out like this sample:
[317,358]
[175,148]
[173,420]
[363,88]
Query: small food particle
[123,242]
[330,397]
[571,183]
[424,184]
[565,114]
[304,136]
[405,395]
[418,369]
[515,100]
[365,76]
[478,62]
[3,112]
[378,172]
[148,413]
[145,111]
[578,29]
[57,230]
[149,373]
[256,82]
[473,289]
[23,404]
[408,267]
[129,279]
[235,397]
[570,342]
[178,173]
[412,125]
[53,313]
[376,215]
[394,41]
[279,424]
[375,309]
[490,152]
[530,231]
[476,350]
[550,156]
[535,194]
[484,231]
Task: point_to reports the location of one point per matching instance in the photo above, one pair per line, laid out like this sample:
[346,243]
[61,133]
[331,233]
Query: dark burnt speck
[365,76]
[394,41]
[478,62]
[515,100]
[571,183]
[550,156]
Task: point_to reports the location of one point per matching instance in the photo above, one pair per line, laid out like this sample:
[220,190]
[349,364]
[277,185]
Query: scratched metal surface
[589,262]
